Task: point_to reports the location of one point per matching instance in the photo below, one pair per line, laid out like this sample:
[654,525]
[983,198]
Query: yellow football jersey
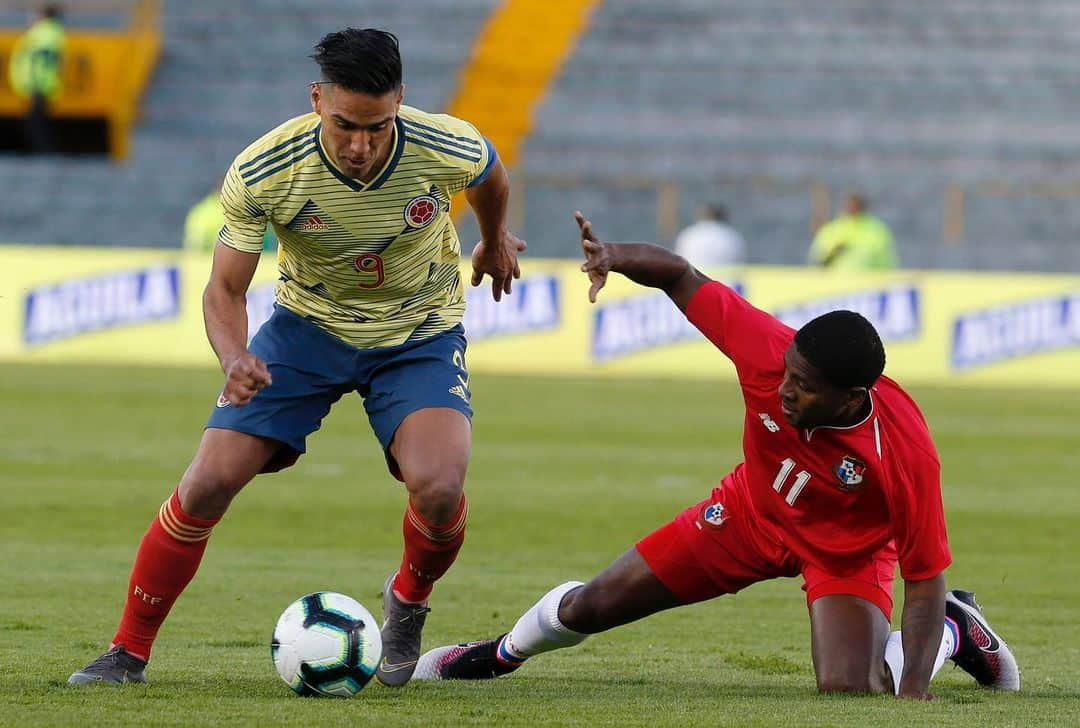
[375,264]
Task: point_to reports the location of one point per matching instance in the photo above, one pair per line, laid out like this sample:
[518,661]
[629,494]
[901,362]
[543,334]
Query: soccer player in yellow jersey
[369,300]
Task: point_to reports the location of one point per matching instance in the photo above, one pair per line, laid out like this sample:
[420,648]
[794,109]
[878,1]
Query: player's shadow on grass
[575,689]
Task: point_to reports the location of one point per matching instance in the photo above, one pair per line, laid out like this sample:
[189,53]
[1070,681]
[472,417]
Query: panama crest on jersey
[714,515]
[850,471]
[420,211]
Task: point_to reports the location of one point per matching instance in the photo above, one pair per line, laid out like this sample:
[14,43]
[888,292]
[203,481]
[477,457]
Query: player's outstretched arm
[921,624]
[496,253]
[225,316]
[644,263]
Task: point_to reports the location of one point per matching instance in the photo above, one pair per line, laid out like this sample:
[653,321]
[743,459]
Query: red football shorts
[714,548]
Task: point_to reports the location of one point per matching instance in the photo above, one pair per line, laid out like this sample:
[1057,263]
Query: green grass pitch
[566,474]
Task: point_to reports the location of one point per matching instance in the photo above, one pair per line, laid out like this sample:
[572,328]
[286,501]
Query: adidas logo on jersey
[312,224]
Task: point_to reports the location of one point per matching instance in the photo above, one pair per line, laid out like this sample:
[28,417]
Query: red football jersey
[833,495]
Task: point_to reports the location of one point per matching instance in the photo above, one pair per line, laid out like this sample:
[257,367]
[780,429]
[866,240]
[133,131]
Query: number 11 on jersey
[801,479]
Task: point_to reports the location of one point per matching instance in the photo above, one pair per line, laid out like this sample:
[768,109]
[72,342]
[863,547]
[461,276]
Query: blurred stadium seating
[957,117]
[752,102]
[228,72]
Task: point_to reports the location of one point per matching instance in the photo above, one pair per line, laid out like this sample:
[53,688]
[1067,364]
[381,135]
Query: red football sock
[429,552]
[168,557]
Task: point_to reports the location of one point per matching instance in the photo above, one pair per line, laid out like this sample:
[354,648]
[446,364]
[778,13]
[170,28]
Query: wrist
[910,689]
[616,254]
[492,234]
[226,361]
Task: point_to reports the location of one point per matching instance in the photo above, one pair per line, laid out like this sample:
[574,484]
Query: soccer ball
[326,644]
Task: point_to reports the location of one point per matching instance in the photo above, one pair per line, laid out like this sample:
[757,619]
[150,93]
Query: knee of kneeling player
[841,682]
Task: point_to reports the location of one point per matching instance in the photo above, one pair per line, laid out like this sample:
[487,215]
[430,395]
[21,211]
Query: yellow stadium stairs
[516,57]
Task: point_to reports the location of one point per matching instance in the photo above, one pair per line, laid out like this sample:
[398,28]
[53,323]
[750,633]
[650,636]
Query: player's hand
[244,377]
[498,259]
[597,257]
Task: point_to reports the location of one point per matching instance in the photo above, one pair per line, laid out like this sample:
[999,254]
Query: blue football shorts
[311,370]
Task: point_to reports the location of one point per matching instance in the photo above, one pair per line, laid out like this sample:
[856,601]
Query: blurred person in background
[205,220]
[854,240]
[34,74]
[369,301]
[711,241]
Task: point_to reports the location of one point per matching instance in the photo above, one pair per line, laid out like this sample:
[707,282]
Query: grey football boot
[401,630]
[116,666]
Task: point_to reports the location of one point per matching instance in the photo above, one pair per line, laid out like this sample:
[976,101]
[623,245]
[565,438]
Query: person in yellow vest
[205,220]
[854,240]
[34,74]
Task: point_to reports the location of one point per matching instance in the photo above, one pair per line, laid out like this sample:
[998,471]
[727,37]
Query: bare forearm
[656,267]
[921,625]
[647,264]
[488,201]
[225,316]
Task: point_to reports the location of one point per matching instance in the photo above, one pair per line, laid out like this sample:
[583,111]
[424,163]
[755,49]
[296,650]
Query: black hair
[844,347]
[52,11]
[364,60]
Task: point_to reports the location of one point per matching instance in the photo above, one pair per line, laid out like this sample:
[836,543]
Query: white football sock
[539,629]
[894,653]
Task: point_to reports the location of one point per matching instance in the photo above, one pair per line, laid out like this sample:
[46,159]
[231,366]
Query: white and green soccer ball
[326,644]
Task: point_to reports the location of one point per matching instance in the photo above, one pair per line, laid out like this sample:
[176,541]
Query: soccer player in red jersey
[841,482]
